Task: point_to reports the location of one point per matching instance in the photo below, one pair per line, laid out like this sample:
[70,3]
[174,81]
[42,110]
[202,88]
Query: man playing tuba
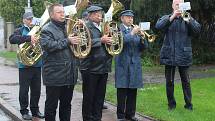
[29,76]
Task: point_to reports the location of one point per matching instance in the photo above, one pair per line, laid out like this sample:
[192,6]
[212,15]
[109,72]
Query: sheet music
[144,26]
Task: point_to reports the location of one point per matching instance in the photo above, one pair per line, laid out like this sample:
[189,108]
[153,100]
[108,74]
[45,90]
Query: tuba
[145,35]
[111,29]
[27,53]
[74,27]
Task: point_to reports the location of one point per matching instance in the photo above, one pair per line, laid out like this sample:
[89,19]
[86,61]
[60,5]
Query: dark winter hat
[93,8]
[127,13]
[28,15]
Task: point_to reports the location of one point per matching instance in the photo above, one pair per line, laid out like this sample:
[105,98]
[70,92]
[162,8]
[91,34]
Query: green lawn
[152,101]
[8,55]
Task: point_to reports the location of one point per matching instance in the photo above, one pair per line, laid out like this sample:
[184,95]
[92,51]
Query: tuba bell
[111,29]
[74,27]
[27,53]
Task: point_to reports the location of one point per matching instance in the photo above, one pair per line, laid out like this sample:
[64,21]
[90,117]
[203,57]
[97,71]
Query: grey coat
[59,65]
[128,69]
[176,49]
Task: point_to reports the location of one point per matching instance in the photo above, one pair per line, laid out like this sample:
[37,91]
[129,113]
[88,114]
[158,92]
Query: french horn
[77,28]
[111,29]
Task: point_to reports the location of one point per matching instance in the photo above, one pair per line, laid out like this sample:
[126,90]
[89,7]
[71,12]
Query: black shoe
[132,119]
[121,119]
[27,116]
[170,108]
[188,107]
[39,115]
[104,107]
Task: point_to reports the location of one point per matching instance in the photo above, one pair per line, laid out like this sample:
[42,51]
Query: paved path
[9,92]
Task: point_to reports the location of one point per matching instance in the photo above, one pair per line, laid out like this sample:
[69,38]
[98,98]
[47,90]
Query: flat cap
[93,8]
[84,14]
[28,15]
[127,13]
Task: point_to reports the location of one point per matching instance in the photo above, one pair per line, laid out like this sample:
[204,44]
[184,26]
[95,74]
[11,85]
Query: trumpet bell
[151,38]
[185,16]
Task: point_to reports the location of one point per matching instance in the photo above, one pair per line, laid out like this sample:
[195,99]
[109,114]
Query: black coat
[59,64]
[98,61]
[176,49]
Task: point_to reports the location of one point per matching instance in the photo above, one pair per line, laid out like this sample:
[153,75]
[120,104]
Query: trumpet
[145,35]
[185,15]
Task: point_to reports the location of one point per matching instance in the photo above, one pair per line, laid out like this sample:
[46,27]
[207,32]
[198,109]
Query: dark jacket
[98,61]
[20,36]
[128,69]
[59,64]
[176,49]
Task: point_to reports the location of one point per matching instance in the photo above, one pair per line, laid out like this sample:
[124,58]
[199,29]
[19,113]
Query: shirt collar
[97,26]
[126,27]
[27,26]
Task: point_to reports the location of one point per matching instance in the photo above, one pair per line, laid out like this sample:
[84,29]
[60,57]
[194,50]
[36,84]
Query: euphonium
[74,27]
[145,35]
[27,53]
[111,29]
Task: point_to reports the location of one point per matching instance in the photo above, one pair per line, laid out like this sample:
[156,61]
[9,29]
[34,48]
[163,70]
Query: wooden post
[10,30]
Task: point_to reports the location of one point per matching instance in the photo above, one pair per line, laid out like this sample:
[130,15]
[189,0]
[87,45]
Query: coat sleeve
[163,23]
[18,38]
[194,26]
[144,44]
[96,42]
[49,44]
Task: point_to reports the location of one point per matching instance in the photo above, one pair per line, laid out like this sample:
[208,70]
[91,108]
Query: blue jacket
[20,36]
[176,49]
[128,69]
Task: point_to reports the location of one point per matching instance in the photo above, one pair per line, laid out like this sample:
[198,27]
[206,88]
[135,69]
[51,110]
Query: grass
[152,101]
[8,55]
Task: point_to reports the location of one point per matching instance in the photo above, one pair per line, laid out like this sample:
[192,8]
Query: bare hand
[105,39]
[175,14]
[135,30]
[80,21]
[33,39]
[74,39]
